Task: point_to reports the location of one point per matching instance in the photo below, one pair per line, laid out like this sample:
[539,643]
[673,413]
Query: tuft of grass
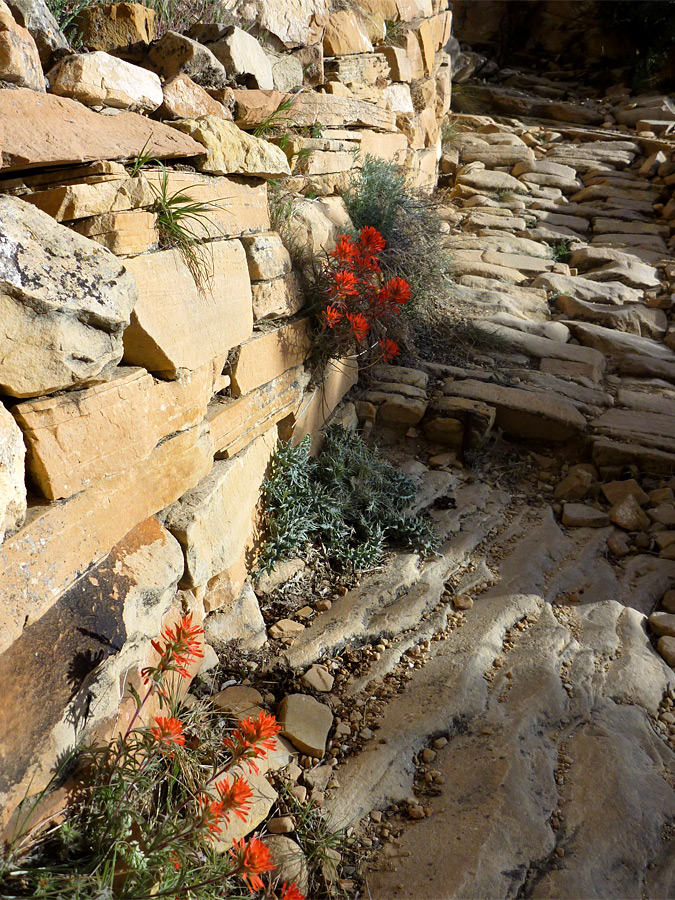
[561,250]
[380,196]
[349,502]
[279,117]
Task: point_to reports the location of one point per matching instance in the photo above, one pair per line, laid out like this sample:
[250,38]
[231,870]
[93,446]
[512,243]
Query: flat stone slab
[45,130]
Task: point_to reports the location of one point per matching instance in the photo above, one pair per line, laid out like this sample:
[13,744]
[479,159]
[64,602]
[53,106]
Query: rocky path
[519,737]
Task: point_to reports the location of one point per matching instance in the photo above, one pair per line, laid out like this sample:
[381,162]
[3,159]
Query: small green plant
[152,803]
[561,250]
[394,33]
[276,119]
[349,502]
[380,196]
[502,193]
[450,132]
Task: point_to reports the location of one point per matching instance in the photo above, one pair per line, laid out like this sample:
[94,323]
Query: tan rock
[286,630]
[339,377]
[176,325]
[235,205]
[266,256]
[290,862]
[41,24]
[578,515]
[664,514]
[253,107]
[340,112]
[574,486]
[32,125]
[235,423]
[175,54]
[58,328]
[47,555]
[281,825]
[183,98]
[79,201]
[80,437]
[305,722]
[232,151]
[628,515]
[279,297]
[237,621]
[668,601]
[398,62]
[294,22]
[239,701]
[12,475]
[243,58]
[19,57]
[213,521]
[345,34]
[391,147]
[616,491]
[263,799]
[666,649]
[265,357]
[662,623]
[318,678]
[118,26]
[123,233]
[98,79]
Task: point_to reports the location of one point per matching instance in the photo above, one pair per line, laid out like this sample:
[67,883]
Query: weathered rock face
[19,58]
[175,54]
[213,521]
[98,79]
[294,22]
[175,324]
[34,133]
[243,58]
[305,722]
[12,480]
[119,26]
[36,17]
[64,301]
[232,151]
[80,437]
[237,621]
[185,99]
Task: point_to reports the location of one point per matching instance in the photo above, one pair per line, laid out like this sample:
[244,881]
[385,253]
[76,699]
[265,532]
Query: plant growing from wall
[349,502]
[152,804]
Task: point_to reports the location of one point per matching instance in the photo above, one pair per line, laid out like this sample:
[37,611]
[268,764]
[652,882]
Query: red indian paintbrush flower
[168,731]
[359,325]
[345,284]
[345,251]
[290,892]
[181,647]
[389,348]
[211,814]
[331,316]
[235,797]
[253,738]
[252,858]
[371,241]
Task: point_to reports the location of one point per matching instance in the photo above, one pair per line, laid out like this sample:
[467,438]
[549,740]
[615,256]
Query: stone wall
[141,397]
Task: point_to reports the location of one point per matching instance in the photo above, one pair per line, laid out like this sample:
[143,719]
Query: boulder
[345,33]
[232,151]
[123,233]
[213,521]
[266,256]
[79,437]
[305,722]
[185,99]
[19,57]
[176,54]
[617,491]
[177,324]
[116,27]
[666,648]
[37,18]
[243,58]
[628,515]
[662,623]
[98,79]
[34,134]
[12,475]
[287,74]
[574,486]
[64,301]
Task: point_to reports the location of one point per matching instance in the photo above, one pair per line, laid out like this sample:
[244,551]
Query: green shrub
[380,196]
[349,502]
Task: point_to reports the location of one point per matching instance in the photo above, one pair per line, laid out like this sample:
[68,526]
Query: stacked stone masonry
[141,398]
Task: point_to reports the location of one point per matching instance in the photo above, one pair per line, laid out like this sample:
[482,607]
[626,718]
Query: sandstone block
[289,861]
[253,107]
[339,377]
[238,621]
[82,436]
[103,621]
[98,79]
[287,74]
[37,18]
[318,678]
[305,722]
[574,486]
[398,63]
[119,26]
[345,33]
[628,515]
[49,554]
[286,630]
[578,515]
[663,623]
[64,303]
[32,124]
[265,357]
[213,521]
[235,205]
[617,491]
[123,233]
[12,475]
[391,147]
[175,325]
[340,112]
[232,151]
[183,98]
[19,57]
[280,297]
[666,648]
[236,423]
[240,701]
[266,256]
[243,58]
[78,201]
[176,54]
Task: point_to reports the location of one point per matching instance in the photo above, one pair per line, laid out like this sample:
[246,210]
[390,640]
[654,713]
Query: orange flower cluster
[252,739]
[181,647]
[356,302]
